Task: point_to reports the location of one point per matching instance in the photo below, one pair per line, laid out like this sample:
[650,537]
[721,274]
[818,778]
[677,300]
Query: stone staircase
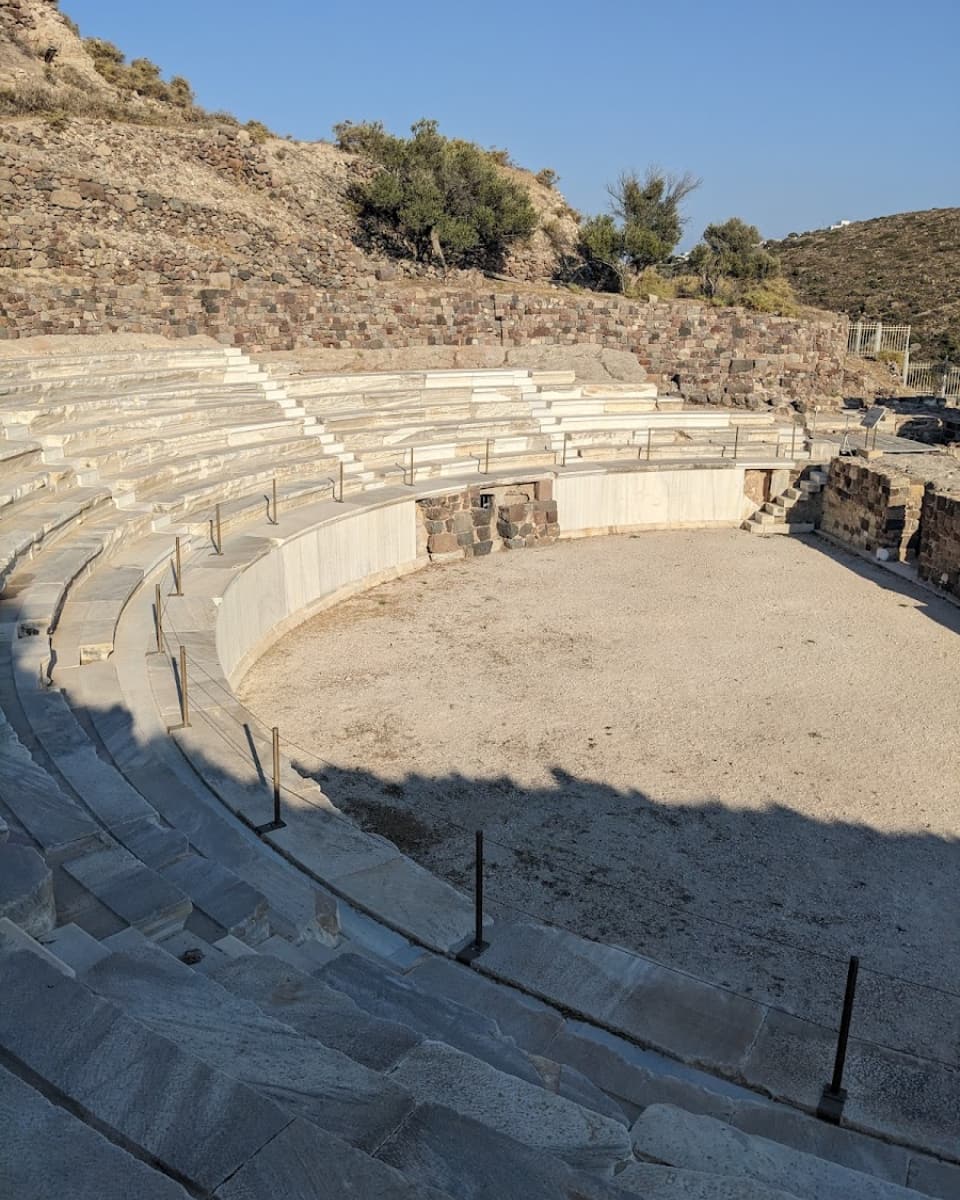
[795,510]
[187,1007]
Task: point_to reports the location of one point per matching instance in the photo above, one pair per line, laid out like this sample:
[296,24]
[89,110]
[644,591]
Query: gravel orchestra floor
[735,755]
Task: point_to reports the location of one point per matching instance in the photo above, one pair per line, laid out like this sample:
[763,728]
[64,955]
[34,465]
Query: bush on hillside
[141,75]
[641,230]
[732,251]
[436,199]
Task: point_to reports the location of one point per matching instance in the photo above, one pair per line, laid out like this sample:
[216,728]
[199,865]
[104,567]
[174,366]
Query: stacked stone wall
[873,508]
[478,521]
[938,556]
[724,356]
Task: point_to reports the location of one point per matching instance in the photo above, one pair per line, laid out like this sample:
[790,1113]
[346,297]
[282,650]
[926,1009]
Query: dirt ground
[736,755]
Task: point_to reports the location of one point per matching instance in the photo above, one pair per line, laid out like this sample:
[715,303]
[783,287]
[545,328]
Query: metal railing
[874,339]
[934,379]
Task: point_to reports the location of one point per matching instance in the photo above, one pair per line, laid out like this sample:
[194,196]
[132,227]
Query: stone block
[66,199]
[442,543]
[433,1072]
[191,1119]
[26,889]
[439,1148]
[296,998]
[679,1139]
[46,1152]
[304,1163]
[382,993]
[229,1033]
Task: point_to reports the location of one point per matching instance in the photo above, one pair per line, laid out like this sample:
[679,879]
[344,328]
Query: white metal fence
[934,379]
[874,339]
[868,339]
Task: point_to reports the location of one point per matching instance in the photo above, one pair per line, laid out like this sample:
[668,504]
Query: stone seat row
[396,1082]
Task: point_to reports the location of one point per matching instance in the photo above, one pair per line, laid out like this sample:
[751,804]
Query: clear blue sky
[794,116]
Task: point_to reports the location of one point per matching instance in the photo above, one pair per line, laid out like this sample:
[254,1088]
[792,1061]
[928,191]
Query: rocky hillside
[903,268]
[111,182]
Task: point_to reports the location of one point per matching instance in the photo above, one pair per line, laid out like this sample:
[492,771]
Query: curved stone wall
[358,546]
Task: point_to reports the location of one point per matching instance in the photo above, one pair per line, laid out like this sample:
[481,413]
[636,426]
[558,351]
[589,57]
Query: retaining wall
[314,569]
[873,507]
[938,556]
[706,354]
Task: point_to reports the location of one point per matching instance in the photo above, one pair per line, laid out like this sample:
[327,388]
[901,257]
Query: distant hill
[904,268]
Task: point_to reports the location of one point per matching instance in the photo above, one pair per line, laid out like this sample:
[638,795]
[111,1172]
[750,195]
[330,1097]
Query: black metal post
[277,822]
[831,1102]
[276,520]
[179,569]
[478,891]
[475,948]
[219,532]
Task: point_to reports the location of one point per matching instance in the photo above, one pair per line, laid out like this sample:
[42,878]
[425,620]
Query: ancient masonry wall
[938,556]
[79,254]
[723,356]
[478,521]
[873,507]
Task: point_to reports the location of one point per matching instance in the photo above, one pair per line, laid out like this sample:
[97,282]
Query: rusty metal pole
[156,602]
[736,440]
[486,461]
[563,460]
[219,532]
[341,481]
[179,591]
[184,696]
[649,442]
[412,468]
[276,519]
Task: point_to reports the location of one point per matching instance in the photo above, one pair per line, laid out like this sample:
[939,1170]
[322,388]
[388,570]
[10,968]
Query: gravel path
[737,755]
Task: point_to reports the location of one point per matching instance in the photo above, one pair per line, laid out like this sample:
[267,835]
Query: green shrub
[641,230]
[732,251]
[547,178]
[259,132]
[141,75]
[436,198]
[774,295]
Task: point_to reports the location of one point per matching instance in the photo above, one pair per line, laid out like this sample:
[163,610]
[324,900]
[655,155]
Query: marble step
[281,991]
[438,1148]
[41,520]
[436,1073]
[398,998]
[157,770]
[134,893]
[26,889]
[669,1135]
[652,1181]
[52,820]
[46,1152]
[140,1088]
[230,1034]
